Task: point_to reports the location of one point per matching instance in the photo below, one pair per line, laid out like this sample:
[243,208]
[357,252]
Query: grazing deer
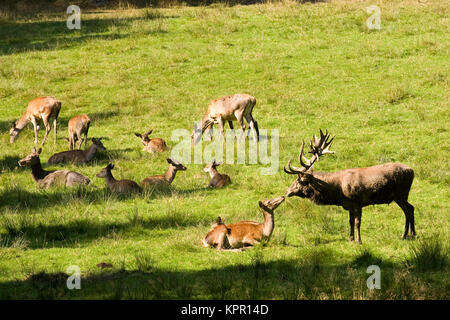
[244,233]
[46,179]
[352,189]
[45,108]
[229,108]
[217,180]
[118,186]
[164,179]
[151,145]
[78,156]
[78,126]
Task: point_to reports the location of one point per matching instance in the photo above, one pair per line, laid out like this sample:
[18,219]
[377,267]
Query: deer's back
[244,230]
[63,178]
[43,105]
[225,107]
[75,156]
[79,123]
[155,145]
[158,180]
[124,186]
[219,181]
[377,184]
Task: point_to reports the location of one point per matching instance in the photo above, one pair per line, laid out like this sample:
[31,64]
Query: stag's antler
[317,147]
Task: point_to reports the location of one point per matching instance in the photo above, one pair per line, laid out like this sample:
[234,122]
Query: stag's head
[31,159]
[13,133]
[317,147]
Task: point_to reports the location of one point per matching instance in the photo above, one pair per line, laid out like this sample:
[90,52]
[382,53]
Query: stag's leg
[358,215]
[408,210]
[352,224]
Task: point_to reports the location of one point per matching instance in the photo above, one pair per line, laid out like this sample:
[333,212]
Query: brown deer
[217,180]
[164,180]
[229,108]
[78,126]
[45,108]
[153,144]
[46,179]
[244,233]
[352,189]
[118,186]
[78,156]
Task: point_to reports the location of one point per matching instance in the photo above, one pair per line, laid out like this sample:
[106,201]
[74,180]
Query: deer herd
[351,189]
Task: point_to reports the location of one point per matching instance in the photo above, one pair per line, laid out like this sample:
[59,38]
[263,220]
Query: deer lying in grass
[229,108]
[118,186]
[78,156]
[164,180]
[244,233]
[217,180]
[153,144]
[78,126]
[45,108]
[46,179]
[352,189]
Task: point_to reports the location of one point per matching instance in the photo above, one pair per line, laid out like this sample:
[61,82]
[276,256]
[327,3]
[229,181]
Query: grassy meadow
[384,93]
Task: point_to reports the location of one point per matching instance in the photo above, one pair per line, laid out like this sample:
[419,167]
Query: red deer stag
[229,108]
[118,186]
[78,126]
[153,144]
[78,156]
[244,233]
[45,108]
[217,180]
[46,179]
[352,189]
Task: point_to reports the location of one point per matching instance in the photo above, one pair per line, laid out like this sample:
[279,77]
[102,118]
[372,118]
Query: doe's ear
[34,149]
[169,161]
[13,125]
[39,151]
[110,166]
[138,135]
[260,204]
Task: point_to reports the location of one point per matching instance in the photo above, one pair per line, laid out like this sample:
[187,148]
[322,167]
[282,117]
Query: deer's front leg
[47,129]
[352,225]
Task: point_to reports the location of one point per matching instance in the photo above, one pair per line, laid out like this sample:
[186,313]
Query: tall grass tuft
[428,255]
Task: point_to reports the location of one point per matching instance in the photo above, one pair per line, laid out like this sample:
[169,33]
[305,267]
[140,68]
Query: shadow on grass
[9,163]
[50,35]
[281,279]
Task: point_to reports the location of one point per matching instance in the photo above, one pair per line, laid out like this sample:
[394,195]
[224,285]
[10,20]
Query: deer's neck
[213,172]
[170,174]
[268,223]
[325,189]
[37,172]
[90,152]
[110,180]
[22,122]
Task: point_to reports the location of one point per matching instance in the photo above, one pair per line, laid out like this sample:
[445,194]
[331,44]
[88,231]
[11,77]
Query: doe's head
[13,133]
[178,166]
[31,159]
[104,172]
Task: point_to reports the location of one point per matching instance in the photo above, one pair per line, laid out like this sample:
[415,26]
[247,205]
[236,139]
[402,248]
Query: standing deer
[78,126]
[46,179]
[244,233]
[45,108]
[229,108]
[78,156]
[164,180]
[118,186]
[153,144]
[217,180]
[352,189]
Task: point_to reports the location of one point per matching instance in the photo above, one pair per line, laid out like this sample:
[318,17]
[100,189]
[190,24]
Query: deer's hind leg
[408,210]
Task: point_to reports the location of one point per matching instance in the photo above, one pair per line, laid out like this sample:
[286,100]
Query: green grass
[383,93]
